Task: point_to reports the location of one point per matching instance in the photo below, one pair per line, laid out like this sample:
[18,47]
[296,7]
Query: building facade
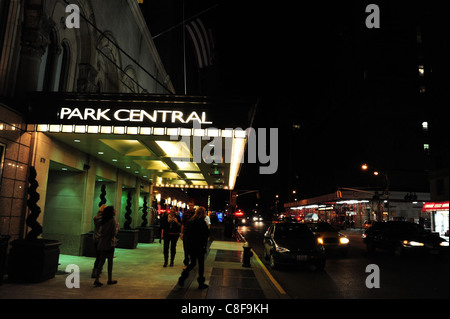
[88,104]
[359,208]
[40,53]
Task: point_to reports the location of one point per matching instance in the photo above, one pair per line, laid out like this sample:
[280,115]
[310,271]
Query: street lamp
[376,172]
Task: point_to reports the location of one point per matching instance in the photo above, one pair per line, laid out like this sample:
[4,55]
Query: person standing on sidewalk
[170,232]
[187,215]
[196,239]
[96,237]
[107,243]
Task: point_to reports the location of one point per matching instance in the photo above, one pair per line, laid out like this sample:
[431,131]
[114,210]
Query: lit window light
[421,70]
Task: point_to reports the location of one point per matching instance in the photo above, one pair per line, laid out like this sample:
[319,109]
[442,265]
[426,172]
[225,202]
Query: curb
[278,291]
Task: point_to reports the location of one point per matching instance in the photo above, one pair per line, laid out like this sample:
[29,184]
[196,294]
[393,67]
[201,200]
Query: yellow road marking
[274,282]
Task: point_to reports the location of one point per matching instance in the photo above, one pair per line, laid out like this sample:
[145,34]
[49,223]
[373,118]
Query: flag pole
[184,51]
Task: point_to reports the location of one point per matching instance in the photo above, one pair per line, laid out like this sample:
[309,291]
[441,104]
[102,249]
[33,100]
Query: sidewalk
[141,275]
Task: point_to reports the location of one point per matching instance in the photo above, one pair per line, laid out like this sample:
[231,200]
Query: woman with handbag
[170,232]
[106,244]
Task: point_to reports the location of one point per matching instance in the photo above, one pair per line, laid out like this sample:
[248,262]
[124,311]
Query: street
[345,277]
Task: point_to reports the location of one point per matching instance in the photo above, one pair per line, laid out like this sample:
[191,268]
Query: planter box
[3,255]
[89,249]
[33,261]
[146,234]
[127,238]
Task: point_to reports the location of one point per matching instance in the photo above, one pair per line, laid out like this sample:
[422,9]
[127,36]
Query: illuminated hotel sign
[140,110]
[133,115]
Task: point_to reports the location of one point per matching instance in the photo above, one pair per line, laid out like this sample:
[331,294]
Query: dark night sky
[317,65]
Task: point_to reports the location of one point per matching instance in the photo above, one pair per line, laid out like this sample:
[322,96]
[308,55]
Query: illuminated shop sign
[432,206]
[132,115]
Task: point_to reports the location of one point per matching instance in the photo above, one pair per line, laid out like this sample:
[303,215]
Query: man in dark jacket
[187,215]
[196,239]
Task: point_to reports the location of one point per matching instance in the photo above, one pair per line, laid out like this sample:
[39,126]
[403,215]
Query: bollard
[247,255]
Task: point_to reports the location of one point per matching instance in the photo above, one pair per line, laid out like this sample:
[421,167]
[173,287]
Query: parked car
[403,238]
[293,243]
[332,240]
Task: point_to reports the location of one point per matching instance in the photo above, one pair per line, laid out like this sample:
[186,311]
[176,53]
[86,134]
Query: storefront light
[199,132]
[119,129]
[145,131]
[42,128]
[172,131]
[185,131]
[132,130]
[159,131]
[80,129]
[213,132]
[54,128]
[227,133]
[240,133]
[93,129]
[67,129]
[106,130]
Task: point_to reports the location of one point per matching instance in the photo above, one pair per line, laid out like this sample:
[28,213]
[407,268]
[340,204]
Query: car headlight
[344,240]
[412,243]
[280,249]
[444,244]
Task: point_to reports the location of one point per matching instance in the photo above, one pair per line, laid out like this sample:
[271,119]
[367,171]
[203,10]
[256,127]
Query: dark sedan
[403,238]
[331,239]
[293,243]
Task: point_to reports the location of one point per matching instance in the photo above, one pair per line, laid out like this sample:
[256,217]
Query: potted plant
[145,233]
[127,237]
[33,259]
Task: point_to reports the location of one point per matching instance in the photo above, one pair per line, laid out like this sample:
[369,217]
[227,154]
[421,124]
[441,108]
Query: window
[3,20]
[62,65]
[426,148]
[2,159]
[54,66]
[425,126]
[421,70]
[440,188]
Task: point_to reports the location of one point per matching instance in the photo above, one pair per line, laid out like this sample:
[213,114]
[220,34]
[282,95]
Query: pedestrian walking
[170,232]
[187,215]
[96,237]
[106,244]
[196,239]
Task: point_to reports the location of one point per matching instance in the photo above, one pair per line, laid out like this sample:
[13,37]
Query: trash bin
[3,255]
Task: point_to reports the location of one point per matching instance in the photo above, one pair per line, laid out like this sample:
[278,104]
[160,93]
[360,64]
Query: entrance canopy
[170,140]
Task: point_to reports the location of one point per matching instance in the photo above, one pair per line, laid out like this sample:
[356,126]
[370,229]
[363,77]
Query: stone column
[34,41]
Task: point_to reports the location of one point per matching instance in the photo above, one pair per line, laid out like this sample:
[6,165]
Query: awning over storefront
[170,140]
[435,206]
